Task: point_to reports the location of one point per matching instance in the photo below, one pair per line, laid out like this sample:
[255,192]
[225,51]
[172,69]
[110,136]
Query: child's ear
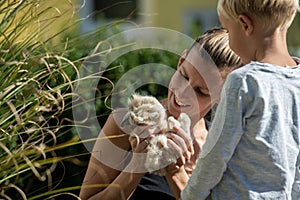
[182,58]
[246,23]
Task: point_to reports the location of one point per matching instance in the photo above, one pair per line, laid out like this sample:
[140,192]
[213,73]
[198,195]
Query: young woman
[193,89]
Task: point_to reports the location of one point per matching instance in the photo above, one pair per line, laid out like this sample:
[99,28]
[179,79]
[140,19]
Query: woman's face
[194,87]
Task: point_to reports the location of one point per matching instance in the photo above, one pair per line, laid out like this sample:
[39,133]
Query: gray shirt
[252,148]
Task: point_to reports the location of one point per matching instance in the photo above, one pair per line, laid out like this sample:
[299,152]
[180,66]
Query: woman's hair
[273,13]
[215,43]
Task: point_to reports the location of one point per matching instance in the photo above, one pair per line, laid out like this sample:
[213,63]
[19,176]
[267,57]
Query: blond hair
[273,13]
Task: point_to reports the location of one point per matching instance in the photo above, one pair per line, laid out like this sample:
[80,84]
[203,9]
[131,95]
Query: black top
[152,187]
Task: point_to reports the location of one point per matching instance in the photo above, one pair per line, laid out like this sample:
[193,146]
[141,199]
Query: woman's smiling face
[194,87]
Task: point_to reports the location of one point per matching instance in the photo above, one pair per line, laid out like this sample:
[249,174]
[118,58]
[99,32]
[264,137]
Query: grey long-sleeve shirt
[252,148]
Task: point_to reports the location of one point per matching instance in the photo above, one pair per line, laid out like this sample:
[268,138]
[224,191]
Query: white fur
[147,110]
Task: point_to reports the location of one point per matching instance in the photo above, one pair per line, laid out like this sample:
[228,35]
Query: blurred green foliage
[293,38]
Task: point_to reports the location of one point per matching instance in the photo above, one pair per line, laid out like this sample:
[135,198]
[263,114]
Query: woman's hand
[176,173]
[182,145]
[140,138]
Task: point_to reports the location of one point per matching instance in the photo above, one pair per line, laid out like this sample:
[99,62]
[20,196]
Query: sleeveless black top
[152,187]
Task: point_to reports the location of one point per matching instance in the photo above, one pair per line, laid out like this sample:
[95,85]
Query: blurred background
[191,17]
[43,46]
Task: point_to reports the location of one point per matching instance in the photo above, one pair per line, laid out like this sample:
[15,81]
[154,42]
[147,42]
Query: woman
[194,89]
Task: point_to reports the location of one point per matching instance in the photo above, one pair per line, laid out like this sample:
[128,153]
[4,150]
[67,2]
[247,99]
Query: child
[185,84]
[252,148]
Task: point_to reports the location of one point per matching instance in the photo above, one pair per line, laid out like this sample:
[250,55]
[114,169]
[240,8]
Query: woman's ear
[182,58]
[246,23]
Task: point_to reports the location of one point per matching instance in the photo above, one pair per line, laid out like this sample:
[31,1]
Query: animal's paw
[146,110]
[172,122]
[183,121]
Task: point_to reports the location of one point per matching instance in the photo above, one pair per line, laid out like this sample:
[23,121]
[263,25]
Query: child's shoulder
[242,72]
[247,75]
[257,73]
[259,69]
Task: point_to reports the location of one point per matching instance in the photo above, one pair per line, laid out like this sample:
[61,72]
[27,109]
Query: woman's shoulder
[113,124]
[113,130]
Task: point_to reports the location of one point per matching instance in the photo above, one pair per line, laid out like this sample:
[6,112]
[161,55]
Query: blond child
[252,148]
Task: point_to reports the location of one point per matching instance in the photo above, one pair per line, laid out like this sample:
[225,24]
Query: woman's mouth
[179,103]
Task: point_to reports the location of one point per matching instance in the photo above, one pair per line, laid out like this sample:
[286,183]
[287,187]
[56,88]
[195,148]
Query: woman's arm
[108,175]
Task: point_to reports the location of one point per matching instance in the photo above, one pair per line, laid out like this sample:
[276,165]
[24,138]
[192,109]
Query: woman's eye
[201,92]
[184,75]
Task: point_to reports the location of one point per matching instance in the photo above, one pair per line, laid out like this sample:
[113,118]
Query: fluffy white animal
[147,110]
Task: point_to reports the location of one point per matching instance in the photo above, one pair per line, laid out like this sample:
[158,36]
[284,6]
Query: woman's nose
[185,88]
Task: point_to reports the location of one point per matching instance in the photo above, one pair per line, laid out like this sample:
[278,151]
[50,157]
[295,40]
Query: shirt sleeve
[296,184]
[223,137]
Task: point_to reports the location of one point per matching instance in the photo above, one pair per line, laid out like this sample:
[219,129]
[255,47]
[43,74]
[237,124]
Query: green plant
[35,99]
[39,147]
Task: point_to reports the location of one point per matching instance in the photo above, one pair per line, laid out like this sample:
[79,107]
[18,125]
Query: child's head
[272,13]
[203,67]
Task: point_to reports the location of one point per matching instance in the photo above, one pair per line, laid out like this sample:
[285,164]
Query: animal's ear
[182,58]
